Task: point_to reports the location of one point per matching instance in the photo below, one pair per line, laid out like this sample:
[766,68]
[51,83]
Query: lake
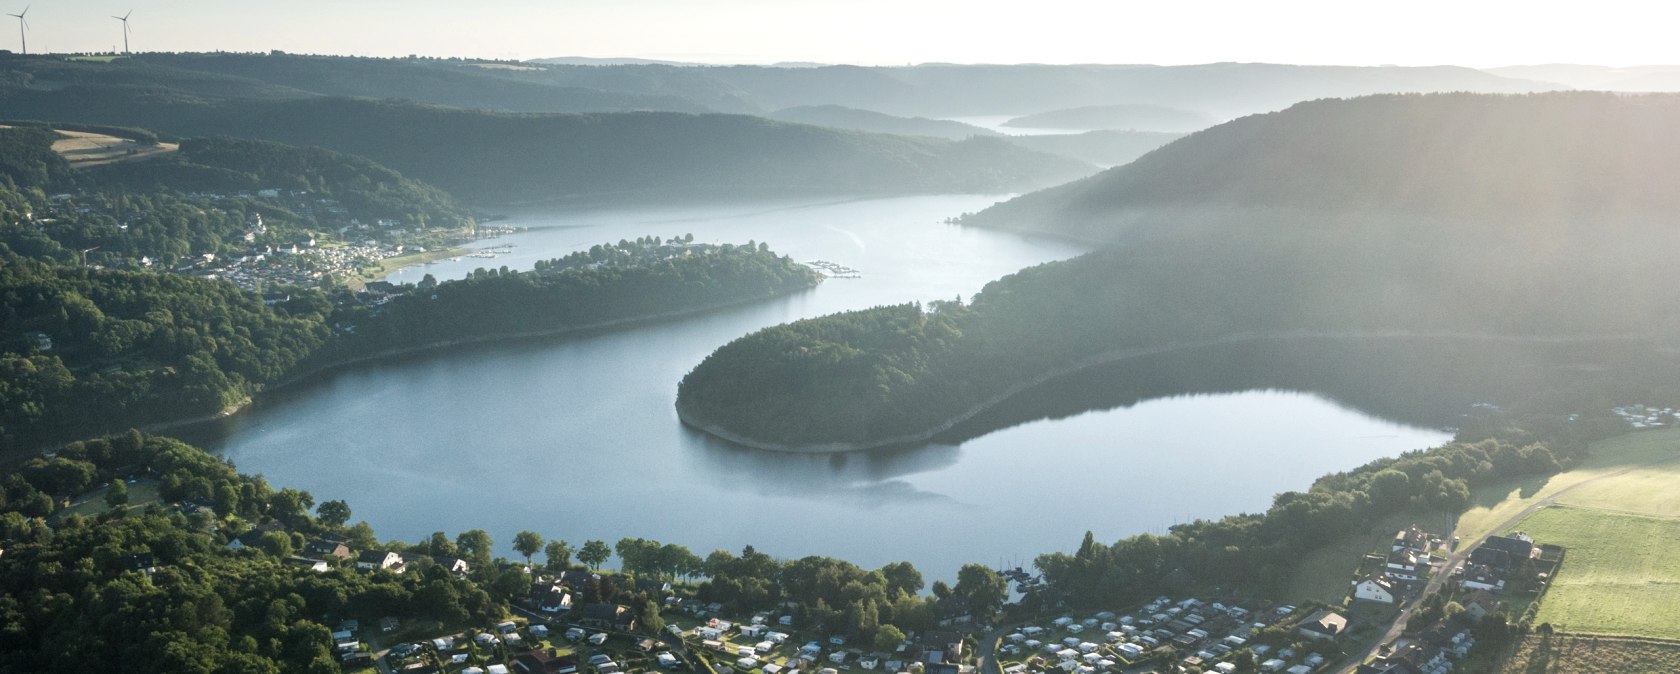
[577,438]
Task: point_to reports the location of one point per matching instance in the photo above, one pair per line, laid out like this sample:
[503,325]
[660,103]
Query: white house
[1374,588]
[379,559]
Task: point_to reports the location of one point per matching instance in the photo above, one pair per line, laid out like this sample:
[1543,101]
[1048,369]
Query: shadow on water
[1426,382]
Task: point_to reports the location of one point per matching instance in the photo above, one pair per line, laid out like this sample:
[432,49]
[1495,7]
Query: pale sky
[885,32]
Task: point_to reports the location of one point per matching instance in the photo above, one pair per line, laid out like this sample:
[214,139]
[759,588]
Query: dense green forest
[627,281]
[1131,117]
[1464,249]
[505,157]
[93,350]
[868,376]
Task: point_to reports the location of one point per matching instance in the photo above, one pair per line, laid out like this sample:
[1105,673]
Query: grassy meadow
[1590,654]
[1620,575]
[1658,449]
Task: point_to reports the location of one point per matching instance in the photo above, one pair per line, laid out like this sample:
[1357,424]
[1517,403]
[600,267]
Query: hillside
[279,76]
[1524,161]
[503,157]
[1133,117]
[1533,219]
[841,117]
[1103,148]
[935,90]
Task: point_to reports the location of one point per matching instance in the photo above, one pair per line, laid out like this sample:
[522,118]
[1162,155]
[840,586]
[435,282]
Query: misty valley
[429,364]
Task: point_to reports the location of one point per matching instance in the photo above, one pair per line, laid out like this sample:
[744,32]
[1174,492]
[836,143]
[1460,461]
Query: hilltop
[1555,160]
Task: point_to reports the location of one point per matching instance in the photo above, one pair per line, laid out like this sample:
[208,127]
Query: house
[1402,565]
[540,662]
[1482,577]
[328,548]
[949,642]
[1411,539]
[316,565]
[609,616]
[1479,603]
[1374,588]
[371,560]
[556,600]
[1325,624]
[1519,546]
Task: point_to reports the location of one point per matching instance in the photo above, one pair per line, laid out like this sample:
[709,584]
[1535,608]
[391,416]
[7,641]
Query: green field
[1586,654]
[1621,573]
[1497,503]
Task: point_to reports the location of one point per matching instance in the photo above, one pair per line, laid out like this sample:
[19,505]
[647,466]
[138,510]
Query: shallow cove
[577,437]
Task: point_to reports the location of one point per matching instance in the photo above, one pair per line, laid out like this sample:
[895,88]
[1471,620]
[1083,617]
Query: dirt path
[1457,558]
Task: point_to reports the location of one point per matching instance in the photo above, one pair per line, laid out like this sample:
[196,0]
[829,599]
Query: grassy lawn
[1327,574]
[1651,491]
[140,494]
[391,264]
[1582,654]
[1621,574]
[1496,503]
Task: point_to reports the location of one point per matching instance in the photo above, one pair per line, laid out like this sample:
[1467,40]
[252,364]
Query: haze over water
[577,438]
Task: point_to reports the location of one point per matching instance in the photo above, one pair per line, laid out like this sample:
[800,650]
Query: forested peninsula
[138,292]
[1437,258]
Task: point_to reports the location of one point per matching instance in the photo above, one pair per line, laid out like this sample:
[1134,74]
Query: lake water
[577,438]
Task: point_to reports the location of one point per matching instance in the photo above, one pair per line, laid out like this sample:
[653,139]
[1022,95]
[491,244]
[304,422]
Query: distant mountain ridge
[842,117]
[487,157]
[1652,78]
[1546,157]
[1124,116]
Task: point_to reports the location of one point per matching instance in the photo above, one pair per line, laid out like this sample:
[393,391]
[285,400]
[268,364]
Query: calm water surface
[577,438]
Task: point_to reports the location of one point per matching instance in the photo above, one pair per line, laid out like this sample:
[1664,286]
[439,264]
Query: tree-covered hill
[1565,162]
[174,205]
[1539,218]
[842,117]
[1128,116]
[495,157]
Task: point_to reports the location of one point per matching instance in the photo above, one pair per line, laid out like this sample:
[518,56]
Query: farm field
[1591,654]
[83,149]
[1495,504]
[1620,575]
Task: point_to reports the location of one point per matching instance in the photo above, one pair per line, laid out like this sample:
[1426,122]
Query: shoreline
[1097,360]
[314,371]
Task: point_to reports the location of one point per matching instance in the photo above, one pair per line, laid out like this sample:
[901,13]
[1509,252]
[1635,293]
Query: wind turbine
[23,28]
[124,19]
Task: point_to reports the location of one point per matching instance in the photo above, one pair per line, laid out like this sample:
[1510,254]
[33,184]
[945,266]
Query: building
[1479,603]
[1411,539]
[1374,588]
[1403,565]
[371,560]
[1325,624]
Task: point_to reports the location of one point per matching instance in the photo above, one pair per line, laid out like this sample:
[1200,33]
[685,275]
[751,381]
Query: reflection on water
[577,437]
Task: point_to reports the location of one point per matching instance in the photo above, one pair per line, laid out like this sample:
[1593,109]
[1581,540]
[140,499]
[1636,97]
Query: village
[320,240]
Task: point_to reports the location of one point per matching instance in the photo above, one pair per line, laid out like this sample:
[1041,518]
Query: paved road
[1439,578]
[985,659]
